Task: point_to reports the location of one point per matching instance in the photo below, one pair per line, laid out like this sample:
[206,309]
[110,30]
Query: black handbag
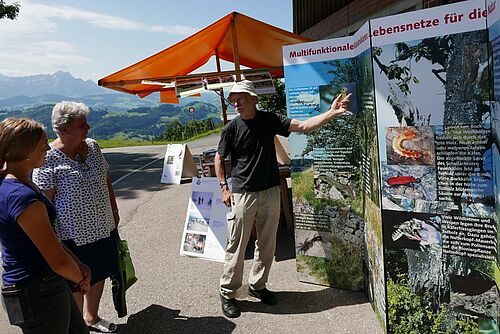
[17,304]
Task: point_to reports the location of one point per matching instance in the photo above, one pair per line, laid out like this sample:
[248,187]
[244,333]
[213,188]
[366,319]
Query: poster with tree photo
[434,120]
[414,170]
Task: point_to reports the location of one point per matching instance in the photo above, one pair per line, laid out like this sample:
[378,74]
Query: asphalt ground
[177,294]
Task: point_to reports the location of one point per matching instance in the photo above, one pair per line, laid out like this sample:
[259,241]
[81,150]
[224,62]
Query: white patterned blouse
[82,202]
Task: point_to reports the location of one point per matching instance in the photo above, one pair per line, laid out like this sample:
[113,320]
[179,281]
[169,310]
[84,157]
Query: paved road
[178,294]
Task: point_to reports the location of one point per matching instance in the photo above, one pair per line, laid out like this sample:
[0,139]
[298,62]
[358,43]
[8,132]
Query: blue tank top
[21,259]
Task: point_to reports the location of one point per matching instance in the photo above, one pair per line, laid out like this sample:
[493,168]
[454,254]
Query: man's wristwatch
[223,184]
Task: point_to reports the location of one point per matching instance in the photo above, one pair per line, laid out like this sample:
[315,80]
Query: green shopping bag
[123,278]
[127,266]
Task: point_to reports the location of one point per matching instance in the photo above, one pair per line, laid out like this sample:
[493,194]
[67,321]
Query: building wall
[434,3]
[308,13]
[320,19]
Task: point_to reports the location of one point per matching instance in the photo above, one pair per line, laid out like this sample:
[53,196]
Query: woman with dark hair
[36,265]
[75,178]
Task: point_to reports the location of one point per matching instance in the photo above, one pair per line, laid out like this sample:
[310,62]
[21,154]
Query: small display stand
[178,164]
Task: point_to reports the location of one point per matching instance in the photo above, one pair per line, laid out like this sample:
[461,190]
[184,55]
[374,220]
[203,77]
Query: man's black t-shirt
[253,155]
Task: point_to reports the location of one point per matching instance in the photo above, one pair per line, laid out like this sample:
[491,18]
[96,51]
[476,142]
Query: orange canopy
[235,38]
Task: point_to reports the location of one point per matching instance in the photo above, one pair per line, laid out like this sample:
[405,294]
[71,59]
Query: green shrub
[303,187]
[413,314]
[122,142]
[344,270]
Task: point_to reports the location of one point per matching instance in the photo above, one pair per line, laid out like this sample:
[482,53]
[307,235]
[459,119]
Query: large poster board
[427,164]
[326,182]
[434,128]
[205,228]
[336,168]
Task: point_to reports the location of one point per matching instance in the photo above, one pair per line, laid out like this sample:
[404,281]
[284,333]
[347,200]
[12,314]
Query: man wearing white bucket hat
[255,194]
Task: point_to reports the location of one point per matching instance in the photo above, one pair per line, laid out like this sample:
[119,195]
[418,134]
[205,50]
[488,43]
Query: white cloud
[37,18]
[34,42]
[27,23]
[40,57]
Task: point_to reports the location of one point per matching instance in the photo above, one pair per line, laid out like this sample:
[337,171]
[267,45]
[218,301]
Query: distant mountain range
[59,83]
[113,101]
[40,89]
[114,115]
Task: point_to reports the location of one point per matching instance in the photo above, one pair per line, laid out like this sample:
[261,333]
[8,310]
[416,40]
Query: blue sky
[94,38]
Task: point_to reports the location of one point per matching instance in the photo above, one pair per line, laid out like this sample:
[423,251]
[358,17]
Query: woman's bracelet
[81,281]
[75,287]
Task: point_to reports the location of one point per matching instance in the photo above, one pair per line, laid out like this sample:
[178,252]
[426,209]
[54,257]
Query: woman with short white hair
[75,177]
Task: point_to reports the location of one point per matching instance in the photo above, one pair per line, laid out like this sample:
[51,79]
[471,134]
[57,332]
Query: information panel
[406,188]
[178,164]
[205,228]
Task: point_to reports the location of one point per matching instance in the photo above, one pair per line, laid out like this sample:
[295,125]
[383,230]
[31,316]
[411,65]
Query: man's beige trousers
[263,209]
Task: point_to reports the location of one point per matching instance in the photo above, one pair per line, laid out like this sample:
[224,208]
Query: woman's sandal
[103,326]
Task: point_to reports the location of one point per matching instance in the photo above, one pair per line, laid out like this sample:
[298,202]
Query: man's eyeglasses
[82,162]
[238,99]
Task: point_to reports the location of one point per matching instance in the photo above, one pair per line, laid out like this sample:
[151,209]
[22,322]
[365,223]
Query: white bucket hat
[244,86]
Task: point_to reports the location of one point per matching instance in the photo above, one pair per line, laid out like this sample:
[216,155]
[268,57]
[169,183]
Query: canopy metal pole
[235,48]
[221,90]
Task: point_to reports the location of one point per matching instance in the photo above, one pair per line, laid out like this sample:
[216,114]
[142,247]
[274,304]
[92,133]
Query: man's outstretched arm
[338,107]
